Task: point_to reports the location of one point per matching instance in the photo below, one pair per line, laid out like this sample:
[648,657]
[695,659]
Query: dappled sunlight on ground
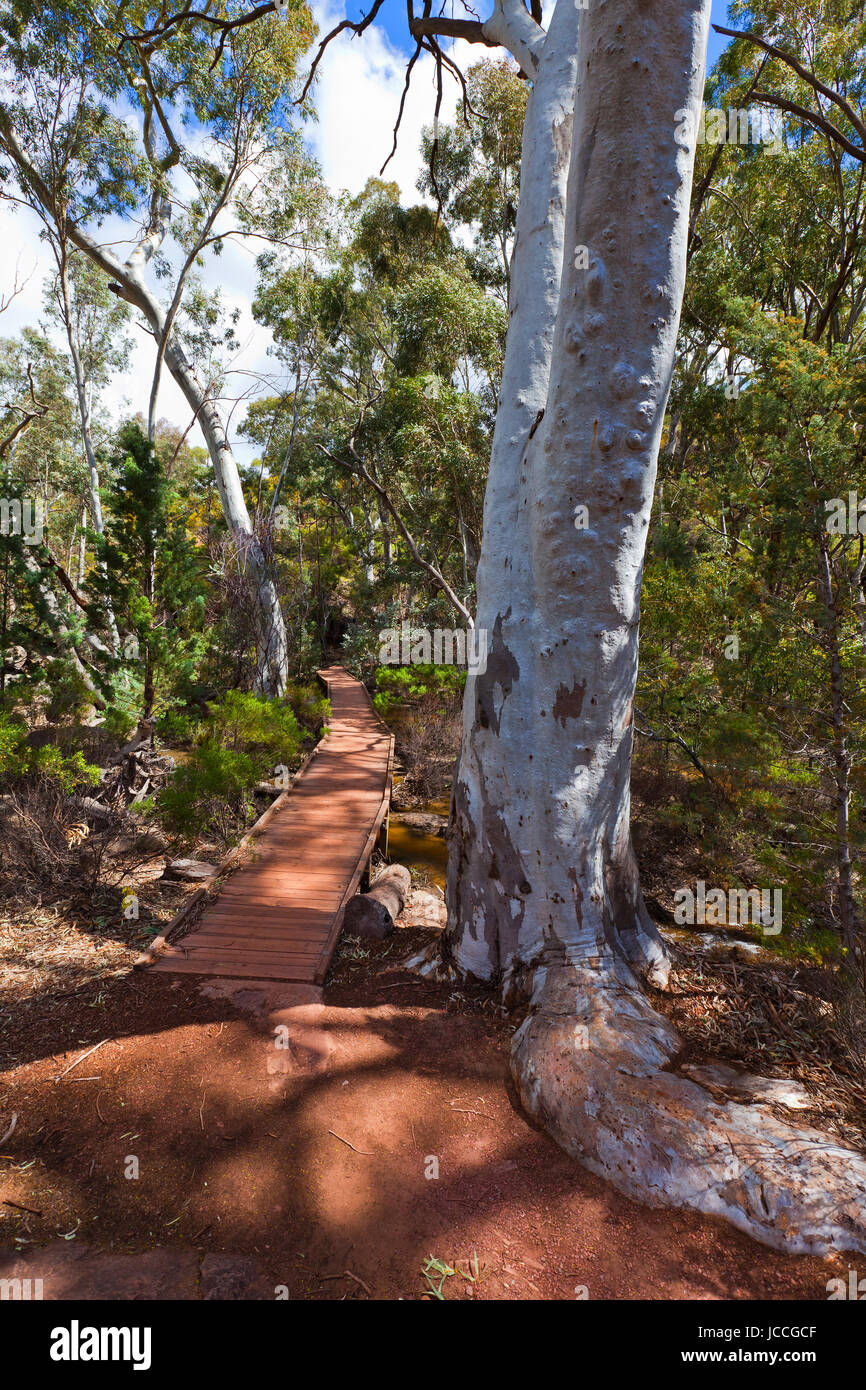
[320,1156]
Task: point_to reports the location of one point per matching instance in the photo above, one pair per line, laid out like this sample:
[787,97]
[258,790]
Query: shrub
[311,708]
[69,696]
[19,763]
[399,685]
[118,723]
[38,817]
[211,790]
[174,727]
[265,729]
[242,740]
[423,704]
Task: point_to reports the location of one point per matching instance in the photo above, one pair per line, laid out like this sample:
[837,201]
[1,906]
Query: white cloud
[25,262]
[357,97]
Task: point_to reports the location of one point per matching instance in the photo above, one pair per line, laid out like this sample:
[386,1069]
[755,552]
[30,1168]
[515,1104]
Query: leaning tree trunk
[272,654]
[543,890]
[126,278]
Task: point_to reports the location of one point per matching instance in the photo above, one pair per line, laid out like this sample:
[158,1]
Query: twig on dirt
[80,1059]
[459,1109]
[11,1130]
[98,1111]
[349,1275]
[366,1153]
[201,1110]
[18,1207]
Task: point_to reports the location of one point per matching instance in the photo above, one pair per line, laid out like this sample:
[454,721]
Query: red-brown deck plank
[277,918]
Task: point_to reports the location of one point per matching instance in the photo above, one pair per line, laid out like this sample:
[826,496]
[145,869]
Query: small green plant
[174,727]
[242,741]
[475,1269]
[265,729]
[311,708]
[399,685]
[19,763]
[438,1269]
[68,693]
[118,722]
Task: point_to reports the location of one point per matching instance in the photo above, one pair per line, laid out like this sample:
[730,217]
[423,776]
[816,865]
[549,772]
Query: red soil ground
[304,1167]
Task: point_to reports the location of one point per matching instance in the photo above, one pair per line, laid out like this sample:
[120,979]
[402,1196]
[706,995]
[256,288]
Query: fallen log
[373,914]
[92,808]
[189,870]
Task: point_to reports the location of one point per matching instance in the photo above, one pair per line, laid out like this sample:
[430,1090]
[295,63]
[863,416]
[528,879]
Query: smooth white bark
[512,25]
[481,931]
[82,392]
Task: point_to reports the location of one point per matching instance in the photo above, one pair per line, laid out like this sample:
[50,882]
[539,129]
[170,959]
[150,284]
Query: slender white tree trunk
[272,657]
[84,413]
[543,891]
[67,639]
[82,550]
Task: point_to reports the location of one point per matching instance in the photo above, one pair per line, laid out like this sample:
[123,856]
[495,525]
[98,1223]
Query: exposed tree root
[430,964]
[590,1063]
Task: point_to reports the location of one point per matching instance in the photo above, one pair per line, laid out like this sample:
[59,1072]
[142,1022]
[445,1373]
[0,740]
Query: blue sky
[392,18]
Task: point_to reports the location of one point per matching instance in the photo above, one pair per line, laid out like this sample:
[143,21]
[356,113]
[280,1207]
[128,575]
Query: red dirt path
[245,1185]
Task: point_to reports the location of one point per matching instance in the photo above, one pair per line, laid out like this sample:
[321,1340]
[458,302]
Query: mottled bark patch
[578,896]
[502,670]
[569,703]
[487,885]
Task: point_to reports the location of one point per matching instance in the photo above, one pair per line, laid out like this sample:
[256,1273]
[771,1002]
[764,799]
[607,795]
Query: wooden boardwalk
[279,917]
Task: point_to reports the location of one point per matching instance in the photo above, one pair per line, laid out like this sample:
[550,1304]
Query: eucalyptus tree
[543,890]
[94,323]
[768,408]
[201,126]
[473,167]
[400,352]
[41,467]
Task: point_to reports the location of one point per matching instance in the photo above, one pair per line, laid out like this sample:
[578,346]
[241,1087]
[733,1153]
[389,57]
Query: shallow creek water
[417,849]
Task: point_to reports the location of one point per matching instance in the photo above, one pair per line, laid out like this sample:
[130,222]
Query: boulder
[424,909]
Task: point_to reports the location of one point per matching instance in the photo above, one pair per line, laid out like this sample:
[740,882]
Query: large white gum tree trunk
[488,904]
[543,891]
[542,864]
